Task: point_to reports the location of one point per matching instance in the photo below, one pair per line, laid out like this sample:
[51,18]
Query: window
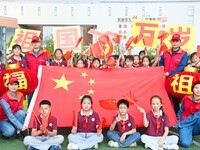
[39,11]
[190,15]
[88,11]
[5,10]
[126,11]
[55,11]
[109,11]
[143,12]
[22,11]
[160,11]
[72,11]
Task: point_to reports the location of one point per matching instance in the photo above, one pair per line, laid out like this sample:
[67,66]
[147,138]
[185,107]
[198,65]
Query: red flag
[198,50]
[78,42]
[68,55]
[59,85]
[75,118]
[108,104]
[102,123]
[162,35]
[48,54]
[44,121]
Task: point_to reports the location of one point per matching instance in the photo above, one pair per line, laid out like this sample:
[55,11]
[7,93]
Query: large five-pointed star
[62,83]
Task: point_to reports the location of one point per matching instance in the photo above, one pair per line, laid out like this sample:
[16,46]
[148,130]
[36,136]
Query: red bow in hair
[123,123]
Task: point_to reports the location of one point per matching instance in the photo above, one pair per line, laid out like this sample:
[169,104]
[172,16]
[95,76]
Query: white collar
[82,114]
[121,118]
[160,113]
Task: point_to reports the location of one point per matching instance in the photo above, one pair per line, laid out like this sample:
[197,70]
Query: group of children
[122,132]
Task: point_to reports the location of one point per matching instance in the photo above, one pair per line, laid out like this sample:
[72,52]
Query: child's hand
[74,130]
[99,132]
[122,138]
[141,110]
[161,143]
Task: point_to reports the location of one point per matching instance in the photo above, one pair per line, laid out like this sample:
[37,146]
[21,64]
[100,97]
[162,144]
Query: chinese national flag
[64,87]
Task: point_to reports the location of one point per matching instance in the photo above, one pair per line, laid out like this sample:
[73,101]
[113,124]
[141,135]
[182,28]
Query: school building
[103,15]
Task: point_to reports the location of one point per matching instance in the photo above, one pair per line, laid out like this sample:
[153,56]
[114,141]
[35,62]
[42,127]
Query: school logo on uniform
[93,119]
[129,124]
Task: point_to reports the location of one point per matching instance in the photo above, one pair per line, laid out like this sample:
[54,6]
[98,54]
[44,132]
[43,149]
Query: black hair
[45,102]
[195,83]
[96,59]
[142,51]
[192,55]
[130,57]
[122,101]
[156,96]
[88,97]
[16,46]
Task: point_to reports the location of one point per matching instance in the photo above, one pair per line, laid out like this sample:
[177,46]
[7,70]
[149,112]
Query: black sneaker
[20,136]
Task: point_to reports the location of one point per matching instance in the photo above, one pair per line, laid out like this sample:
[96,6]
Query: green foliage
[47,42]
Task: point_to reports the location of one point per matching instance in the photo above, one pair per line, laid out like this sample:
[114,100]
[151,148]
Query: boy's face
[45,109]
[123,109]
[196,90]
[13,87]
[17,51]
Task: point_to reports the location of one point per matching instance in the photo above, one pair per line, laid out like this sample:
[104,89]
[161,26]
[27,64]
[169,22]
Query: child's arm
[112,127]
[161,141]
[146,122]
[123,137]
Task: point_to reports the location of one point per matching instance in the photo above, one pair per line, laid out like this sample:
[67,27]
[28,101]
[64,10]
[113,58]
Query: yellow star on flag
[62,83]
[91,91]
[92,81]
[84,74]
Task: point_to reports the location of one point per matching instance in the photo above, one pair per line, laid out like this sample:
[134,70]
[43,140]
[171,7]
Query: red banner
[64,87]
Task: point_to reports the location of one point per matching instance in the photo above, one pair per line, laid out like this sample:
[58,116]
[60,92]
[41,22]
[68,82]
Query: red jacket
[15,105]
[172,62]
[33,62]
[190,107]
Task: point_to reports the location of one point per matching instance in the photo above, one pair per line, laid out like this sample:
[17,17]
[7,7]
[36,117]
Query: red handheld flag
[44,121]
[75,119]
[78,42]
[68,55]
[108,104]
[102,123]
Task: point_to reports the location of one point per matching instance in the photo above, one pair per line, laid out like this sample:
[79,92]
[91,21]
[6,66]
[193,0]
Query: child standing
[122,131]
[44,138]
[59,59]
[12,115]
[157,124]
[17,57]
[188,116]
[86,135]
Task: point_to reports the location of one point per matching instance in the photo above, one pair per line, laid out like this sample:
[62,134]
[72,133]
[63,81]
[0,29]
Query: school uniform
[21,62]
[86,136]
[155,131]
[61,63]
[44,141]
[120,128]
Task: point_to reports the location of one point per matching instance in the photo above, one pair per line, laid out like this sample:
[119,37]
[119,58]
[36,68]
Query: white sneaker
[72,146]
[173,146]
[96,146]
[113,144]
[133,144]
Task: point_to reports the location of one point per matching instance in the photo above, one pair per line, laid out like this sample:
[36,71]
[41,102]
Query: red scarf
[123,123]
